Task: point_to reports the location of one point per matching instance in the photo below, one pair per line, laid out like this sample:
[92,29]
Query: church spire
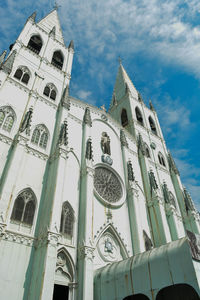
[123,84]
[8,64]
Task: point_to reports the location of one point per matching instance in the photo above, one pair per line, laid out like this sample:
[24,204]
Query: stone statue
[147,241]
[105,143]
[63,134]
[131,176]
[26,123]
[89,154]
[152,181]
[165,193]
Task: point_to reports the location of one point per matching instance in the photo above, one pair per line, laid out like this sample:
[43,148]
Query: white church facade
[91,202]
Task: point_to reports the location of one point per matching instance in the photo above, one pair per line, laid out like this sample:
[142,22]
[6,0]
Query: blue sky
[159,44]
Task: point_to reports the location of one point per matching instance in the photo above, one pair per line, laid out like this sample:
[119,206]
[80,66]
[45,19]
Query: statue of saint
[105,143]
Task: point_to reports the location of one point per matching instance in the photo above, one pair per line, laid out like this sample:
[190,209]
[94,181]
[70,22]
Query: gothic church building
[91,202]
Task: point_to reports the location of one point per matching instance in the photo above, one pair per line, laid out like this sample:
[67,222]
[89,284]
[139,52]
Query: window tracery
[40,136]
[24,208]
[50,91]
[67,220]
[22,74]
[7,118]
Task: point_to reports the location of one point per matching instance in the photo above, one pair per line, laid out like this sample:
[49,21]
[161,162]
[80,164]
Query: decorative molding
[19,238]
[86,252]
[5,139]
[36,153]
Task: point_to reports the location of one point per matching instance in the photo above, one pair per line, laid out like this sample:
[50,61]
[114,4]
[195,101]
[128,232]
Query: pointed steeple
[123,84]
[51,20]
[8,64]
[2,56]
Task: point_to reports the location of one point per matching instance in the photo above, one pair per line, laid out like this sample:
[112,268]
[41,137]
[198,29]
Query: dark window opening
[137,297]
[124,118]
[18,74]
[161,160]
[53,95]
[152,125]
[25,78]
[57,60]
[35,44]
[139,116]
[46,91]
[178,292]
[60,292]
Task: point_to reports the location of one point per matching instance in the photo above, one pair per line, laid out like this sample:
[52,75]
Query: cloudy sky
[159,44]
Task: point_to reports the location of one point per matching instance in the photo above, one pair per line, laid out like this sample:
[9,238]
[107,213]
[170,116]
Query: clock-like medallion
[107,185]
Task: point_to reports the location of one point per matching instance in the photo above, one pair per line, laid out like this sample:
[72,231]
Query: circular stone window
[107,185]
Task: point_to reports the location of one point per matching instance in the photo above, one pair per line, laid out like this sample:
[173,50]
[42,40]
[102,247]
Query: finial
[103,107]
[151,106]
[32,17]
[119,60]
[71,45]
[2,56]
[8,64]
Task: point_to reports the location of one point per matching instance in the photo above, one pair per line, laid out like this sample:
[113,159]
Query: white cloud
[83,94]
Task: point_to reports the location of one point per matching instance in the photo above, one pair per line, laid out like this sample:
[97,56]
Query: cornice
[18,238]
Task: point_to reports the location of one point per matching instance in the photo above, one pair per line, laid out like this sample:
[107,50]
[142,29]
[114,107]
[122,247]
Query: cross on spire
[119,60]
[56,5]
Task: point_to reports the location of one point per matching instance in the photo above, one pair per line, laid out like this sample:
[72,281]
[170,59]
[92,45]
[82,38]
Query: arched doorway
[137,297]
[178,292]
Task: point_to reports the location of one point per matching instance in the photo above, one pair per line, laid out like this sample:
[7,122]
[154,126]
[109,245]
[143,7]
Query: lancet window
[7,118]
[50,91]
[161,159]
[22,74]
[40,136]
[67,220]
[152,125]
[57,59]
[35,44]
[24,207]
[139,116]
[124,117]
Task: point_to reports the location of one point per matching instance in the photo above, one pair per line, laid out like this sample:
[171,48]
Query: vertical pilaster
[85,232]
[190,217]
[132,197]
[157,218]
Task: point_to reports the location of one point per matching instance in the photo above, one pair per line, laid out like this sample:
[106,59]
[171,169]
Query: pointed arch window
[22,74]
[57,59]
[24,208]
[40,136]
[50,91]
[124,117]
[139,116]
[67,220]
[161,159]
[152,125]
[35,44]
[7,118]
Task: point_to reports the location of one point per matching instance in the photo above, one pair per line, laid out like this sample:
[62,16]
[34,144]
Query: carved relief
[26,123]
[109,248]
